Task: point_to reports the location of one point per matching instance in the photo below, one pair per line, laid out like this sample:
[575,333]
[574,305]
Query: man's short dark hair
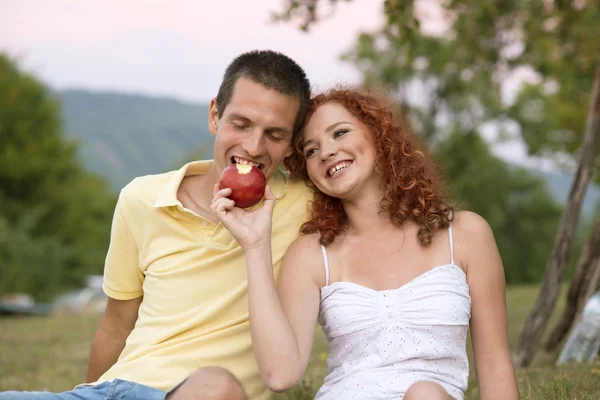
[271,69]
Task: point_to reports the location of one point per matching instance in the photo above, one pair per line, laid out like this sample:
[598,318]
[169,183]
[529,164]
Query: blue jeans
[115,390]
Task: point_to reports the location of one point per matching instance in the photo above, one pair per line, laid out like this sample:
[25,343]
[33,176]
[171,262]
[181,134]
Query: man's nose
[254,144]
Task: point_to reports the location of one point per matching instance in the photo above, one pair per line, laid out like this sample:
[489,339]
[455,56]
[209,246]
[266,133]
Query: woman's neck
[365,216]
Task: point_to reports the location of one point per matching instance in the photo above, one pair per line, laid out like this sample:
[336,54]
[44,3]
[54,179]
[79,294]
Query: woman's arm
[283,324]
[477,248]
[282,335]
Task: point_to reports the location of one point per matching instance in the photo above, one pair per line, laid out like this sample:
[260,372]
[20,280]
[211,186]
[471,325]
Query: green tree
[515,204]
[30,263]
[54,216]
[462,66]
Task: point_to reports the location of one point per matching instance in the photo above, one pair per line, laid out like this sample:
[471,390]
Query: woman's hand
[251,228]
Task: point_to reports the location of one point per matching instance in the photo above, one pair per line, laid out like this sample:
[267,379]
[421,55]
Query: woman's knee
[425,390]
[210,383]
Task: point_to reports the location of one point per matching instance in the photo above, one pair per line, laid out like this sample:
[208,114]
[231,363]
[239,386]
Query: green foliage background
[54,215]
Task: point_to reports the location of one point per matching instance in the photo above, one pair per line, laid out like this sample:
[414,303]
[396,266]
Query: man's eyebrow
[239,117]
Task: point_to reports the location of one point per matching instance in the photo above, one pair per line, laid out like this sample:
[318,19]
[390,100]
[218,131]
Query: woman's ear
[213,117]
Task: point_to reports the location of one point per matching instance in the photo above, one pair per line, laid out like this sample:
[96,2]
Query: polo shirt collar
[168,195]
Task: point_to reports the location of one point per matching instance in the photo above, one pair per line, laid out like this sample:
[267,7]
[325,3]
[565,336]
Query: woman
[392,274]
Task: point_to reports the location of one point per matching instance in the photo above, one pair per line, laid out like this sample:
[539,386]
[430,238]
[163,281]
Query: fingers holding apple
[218,192]
[234,192]
[221,204]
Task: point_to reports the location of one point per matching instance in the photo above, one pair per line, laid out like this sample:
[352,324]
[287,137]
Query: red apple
[247,184]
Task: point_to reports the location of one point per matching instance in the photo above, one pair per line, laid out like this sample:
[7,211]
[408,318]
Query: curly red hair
[411,183]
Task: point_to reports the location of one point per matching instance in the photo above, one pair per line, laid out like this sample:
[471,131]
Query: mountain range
[121,136]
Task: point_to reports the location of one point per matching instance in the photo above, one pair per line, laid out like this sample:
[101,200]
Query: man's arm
[122,280]
[117,323]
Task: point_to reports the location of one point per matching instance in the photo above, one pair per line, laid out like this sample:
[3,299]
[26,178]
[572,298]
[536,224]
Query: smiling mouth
[339,167]
[243,161]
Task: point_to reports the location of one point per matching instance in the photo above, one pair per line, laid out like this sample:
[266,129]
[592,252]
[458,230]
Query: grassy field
[51,354]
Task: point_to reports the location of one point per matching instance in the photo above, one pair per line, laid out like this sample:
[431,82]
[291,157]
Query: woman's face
[340,157]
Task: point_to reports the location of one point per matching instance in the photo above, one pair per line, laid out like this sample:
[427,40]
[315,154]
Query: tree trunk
[593,284]
[590,255]
[539,315]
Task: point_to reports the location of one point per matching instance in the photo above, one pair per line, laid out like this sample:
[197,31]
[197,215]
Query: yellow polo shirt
[193,277]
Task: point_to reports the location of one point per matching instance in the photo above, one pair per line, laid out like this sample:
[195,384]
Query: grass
[38,353]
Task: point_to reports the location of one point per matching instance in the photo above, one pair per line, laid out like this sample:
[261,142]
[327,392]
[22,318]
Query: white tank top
[382,341]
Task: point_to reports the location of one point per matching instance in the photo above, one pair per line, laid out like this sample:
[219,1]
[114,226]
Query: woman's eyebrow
[333,126]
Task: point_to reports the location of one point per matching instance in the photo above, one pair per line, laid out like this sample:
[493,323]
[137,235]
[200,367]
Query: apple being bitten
[247,184]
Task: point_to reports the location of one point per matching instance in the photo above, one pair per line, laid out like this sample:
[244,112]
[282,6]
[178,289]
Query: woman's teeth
[338,168]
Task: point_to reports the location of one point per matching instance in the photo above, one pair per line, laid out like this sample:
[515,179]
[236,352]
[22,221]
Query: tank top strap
[450,240]
[324,251]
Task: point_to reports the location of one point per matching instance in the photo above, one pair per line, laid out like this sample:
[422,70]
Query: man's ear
[213,117]
[289,151]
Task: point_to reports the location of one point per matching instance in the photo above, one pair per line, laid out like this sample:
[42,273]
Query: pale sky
[176,48]
[180,48]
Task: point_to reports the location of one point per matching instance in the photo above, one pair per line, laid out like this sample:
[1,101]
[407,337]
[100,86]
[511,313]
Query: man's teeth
[245,162]
[338,167]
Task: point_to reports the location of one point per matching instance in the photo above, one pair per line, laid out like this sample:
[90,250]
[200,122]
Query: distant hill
[122,136]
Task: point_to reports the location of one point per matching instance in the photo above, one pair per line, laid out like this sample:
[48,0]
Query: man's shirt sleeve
[123,278]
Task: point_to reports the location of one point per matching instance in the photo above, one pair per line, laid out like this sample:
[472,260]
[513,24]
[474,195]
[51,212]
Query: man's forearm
[105,351]
[116,325]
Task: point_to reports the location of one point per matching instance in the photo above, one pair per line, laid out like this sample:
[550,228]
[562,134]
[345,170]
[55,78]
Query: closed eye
[276,137]
[240,127]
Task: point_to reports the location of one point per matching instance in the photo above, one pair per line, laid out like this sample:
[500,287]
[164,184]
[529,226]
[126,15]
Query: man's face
[255,128]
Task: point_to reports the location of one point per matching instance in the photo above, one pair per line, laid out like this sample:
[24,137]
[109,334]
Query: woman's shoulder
[470,224]
[473,239]
[305,257]
[306,245]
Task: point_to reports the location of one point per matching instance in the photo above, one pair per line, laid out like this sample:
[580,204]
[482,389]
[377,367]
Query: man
[176,322]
